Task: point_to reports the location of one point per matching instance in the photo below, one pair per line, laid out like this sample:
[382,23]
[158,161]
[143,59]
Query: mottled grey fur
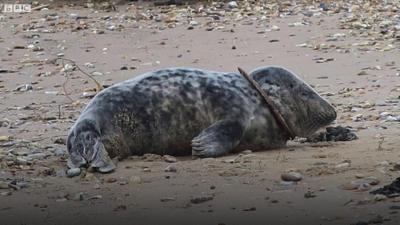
[181,111]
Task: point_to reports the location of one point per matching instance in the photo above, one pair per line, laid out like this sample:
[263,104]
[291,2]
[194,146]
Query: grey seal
[183,111]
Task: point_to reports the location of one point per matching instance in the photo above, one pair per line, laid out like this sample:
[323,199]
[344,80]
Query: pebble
[342,165]
[38,156]
[24,88]
[94,197]
[97,74]
[246,152]
[136,180]
[59,152]
[201,199]
[310,194]
[292,176]
[4,185]
[171,169]
[249,209]
[89,65]
[169,159]
[232,4]
[362,184]
[123,182]
[80,196]
[111,180]
[379,197]
[73,172]
[193,23]
[167,199]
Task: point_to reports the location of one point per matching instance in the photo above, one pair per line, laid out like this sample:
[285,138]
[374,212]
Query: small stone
[201,199]
[169,159]
[275,28]
[4,185]
[24,88]
[97,74]
[362,73]
[17,185]
[379,197]
[89,65]
[342,165]
[38,156]
[292,176]
[371,180]
[73,172]
[111,180]
[61,200]
[123,182]
[361,185]
[60,141]
[288,183]
[310,194]
[59,152]
[6,193]
[246,152]
[171,169]
[5,138]
[364,187]
[120,208]
[167,199]
[94,197]
[136,180]
[384,163]
[232,4]
[249,209]
[193,23]
[359,175]
[79,196]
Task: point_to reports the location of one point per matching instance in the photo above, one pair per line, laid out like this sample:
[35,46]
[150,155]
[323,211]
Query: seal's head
[86,149]
[302,108]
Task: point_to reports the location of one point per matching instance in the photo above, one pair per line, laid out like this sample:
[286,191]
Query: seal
[183,111]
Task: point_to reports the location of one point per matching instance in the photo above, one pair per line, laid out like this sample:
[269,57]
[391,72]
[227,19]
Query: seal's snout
[328,113]
[86,149]
[332,115]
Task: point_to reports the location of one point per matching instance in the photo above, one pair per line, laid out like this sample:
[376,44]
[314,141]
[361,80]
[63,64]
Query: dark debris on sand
[390,190]
[338,133]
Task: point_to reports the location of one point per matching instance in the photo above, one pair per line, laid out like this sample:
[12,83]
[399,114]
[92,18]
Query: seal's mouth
[320,120]
[76,161]
[99,160]
[103,166]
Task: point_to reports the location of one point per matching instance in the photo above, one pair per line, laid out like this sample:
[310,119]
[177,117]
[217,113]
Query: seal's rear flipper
[218,139]
[100,160]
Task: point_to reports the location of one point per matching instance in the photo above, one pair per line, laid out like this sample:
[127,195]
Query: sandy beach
[348,51]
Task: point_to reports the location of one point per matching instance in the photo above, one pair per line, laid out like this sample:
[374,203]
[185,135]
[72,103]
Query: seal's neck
[289,133]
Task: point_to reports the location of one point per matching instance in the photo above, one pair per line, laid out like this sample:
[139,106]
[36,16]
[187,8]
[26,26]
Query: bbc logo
[15,8]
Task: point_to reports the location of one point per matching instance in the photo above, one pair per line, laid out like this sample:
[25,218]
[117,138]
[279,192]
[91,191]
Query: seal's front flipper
[100,160]
[218,139]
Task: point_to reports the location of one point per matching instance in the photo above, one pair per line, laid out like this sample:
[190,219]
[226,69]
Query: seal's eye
[291,86]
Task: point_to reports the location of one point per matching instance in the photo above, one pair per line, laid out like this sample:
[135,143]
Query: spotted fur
[183,111]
